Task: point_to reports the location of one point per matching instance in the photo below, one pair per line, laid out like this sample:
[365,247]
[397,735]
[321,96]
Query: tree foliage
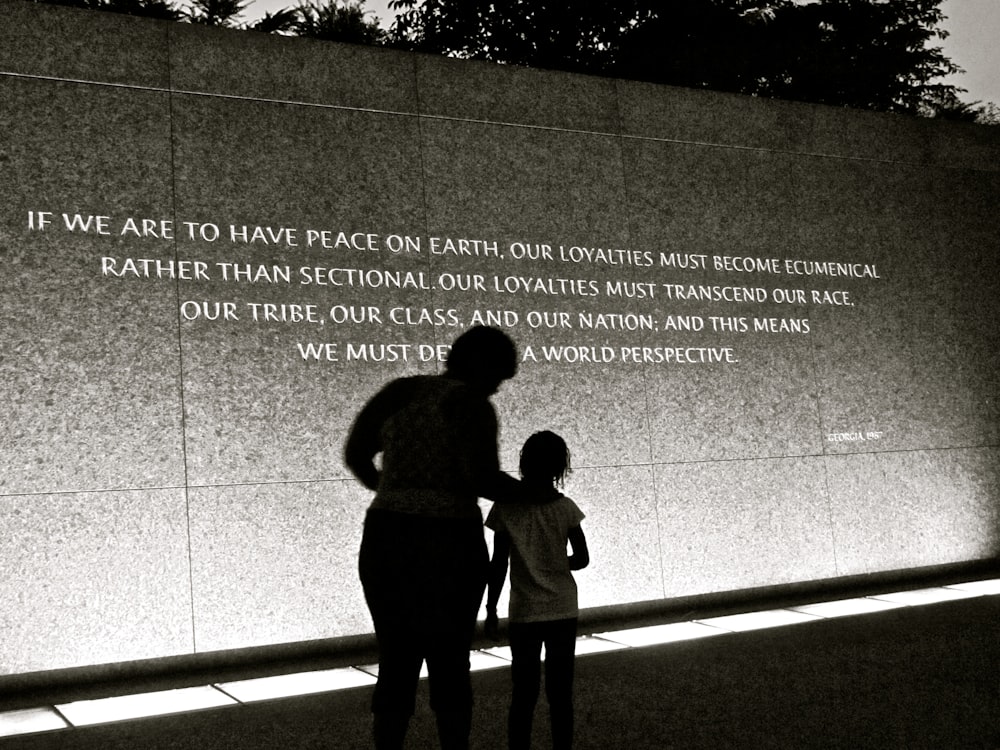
[163,10]
[215,12]
[336,22]
[333,20]
[558,34]
[872,54]
[869,54]
[280,22]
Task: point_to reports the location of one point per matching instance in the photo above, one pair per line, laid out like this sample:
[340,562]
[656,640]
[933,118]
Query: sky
[973,27]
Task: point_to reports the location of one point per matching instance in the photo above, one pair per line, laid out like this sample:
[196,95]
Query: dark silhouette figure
[532,534]
[423,560]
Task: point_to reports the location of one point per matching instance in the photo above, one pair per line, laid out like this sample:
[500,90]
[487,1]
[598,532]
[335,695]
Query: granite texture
[473,90]
[744,410]
[702,199]
[539,194]
[698,116]
[967,146]
[93,578]
[742,524]
[276,563]
[63,43]
[273,67]
[891,361]
[914,508]
[974,267]
[90,368]
[523,184]
[554,397]
[885,137]
[624,534]
[181,437]
[256,408]
[691,205]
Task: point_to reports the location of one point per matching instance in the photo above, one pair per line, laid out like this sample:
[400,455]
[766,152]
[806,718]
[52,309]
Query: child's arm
[497,575]
[580,558]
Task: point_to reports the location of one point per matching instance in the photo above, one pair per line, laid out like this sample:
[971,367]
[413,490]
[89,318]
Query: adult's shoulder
[464,396]
[404,387]
[407,382]
[390,398]
[455,397]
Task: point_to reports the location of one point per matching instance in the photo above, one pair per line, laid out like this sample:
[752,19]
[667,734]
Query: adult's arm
[364,439]
[497,575]
[480,440]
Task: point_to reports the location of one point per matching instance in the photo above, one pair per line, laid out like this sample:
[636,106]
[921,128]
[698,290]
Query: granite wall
[214,245]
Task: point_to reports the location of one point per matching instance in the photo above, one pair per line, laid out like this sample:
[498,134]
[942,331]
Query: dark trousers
[526,640]
[424,580]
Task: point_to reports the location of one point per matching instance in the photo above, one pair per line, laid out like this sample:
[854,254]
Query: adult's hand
[492,626]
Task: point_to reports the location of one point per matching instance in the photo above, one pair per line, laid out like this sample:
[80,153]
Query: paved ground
[908,678]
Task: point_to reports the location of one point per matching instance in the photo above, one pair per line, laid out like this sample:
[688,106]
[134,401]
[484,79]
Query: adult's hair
[545,457]
[482,353]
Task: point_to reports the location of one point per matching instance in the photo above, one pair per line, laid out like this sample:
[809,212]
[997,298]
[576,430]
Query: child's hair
[545,457]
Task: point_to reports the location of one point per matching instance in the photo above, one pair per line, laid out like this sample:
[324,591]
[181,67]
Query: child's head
[545,458]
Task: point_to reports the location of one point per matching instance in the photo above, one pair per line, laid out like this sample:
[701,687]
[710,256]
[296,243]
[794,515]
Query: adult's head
[483,357]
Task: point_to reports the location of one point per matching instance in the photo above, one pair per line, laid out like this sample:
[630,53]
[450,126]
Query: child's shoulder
[563,505]
[571,504]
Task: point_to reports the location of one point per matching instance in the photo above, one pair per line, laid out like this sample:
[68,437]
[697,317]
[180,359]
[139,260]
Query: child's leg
[560,651]
[526,676]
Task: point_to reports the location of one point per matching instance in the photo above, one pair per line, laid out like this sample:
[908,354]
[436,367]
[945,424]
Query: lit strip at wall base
[63,717]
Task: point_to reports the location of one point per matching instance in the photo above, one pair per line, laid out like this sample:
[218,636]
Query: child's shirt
[541,583]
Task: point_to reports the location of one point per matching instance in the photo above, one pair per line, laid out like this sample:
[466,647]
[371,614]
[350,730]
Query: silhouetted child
[532,533]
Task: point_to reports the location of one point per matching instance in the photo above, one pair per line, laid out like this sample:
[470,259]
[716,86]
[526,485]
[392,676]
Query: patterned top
[541,584]
[438,439]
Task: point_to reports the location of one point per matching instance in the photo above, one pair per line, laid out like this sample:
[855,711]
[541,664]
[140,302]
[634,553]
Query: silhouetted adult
[423,560]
